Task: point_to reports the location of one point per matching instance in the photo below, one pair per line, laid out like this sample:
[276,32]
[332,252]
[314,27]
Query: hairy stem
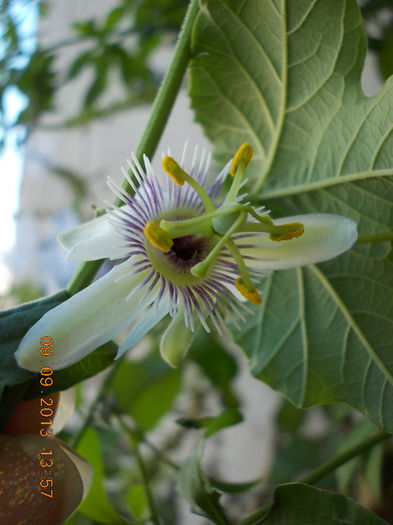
[320,472]
[134,439]
[148,143]
[376,237]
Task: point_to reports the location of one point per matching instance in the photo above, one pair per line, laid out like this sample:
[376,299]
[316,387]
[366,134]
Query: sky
[11,159]
[11,165]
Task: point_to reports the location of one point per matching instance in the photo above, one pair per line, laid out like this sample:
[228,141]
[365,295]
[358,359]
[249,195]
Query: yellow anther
[252,295]
[288,231]
[244,153]
[173,169]
[158,237]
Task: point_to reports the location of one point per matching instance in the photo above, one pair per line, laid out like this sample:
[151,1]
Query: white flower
[190,249]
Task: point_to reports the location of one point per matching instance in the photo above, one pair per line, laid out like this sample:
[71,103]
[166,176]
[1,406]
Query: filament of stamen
[178,175]
[281,232]
[238,167]
[234,251]
[200,224]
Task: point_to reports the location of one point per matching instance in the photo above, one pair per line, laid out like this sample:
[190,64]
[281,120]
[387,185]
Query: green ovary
[185,253]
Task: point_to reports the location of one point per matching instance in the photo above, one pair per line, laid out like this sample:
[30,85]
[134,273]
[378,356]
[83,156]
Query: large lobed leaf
[285,76]
[299,504]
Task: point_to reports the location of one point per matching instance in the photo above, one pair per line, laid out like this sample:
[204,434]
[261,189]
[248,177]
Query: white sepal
[325,236]
[87,320]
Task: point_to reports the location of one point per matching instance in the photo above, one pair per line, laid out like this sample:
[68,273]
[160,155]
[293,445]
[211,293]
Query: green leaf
[146,389]
[14,324]
[97,505]
[194,486]
[299,504]
[233,488]
[289,418]
[82,61]
[85,28]
[328,329]
[210,354]
[38,83]
[217,364]
[285,76]
[99,83]
[298,455]
[386,53]
[137,500]
[92,364]
[113,18]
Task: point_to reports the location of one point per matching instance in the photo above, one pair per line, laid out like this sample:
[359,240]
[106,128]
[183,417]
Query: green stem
[376,237]
[168,91]
[157,452]
[148,143]
[102,391]
[320,472]
[134,442]
[83,276]
[342,457]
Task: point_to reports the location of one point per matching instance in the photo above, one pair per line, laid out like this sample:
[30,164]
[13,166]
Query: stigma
[202,240]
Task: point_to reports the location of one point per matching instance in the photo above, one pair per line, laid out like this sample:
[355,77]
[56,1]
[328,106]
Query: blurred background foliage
[134,398]
[117,48]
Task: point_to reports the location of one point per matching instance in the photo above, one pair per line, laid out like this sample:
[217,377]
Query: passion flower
[190,249]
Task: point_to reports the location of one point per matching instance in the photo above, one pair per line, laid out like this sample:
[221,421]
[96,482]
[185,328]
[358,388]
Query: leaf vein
[303,19]
[238,112]
[256,41]
[347,314]
[324,183]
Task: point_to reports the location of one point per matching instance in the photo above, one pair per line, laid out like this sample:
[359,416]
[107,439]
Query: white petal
[95,239]
[325,236]
[154,316]
[87,320]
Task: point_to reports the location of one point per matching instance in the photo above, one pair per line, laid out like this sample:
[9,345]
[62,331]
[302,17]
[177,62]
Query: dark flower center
[189,250]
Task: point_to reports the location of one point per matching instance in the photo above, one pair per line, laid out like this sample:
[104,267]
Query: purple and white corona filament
[189,249]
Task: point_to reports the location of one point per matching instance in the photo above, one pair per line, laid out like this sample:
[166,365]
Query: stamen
[252,295]
[245,277]
[158,237]
[287,232]
[173,169]
[242,156]
[239,165]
